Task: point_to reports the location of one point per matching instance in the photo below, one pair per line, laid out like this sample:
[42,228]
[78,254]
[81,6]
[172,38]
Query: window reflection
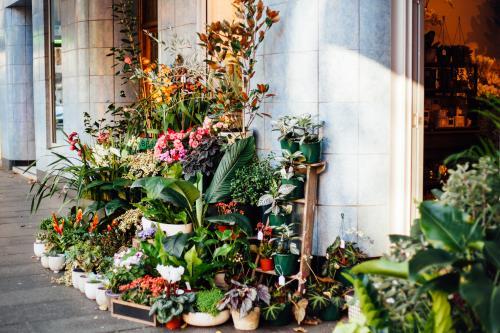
[56,68]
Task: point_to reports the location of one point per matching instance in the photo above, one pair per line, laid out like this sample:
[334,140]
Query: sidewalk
[29,302]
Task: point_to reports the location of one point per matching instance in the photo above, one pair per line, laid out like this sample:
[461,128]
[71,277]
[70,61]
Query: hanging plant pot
[286,264]
[248,323]
[291,146]
[283,318]
[277,220]
[266,264]
[298,191]
[330,313]
[311,151]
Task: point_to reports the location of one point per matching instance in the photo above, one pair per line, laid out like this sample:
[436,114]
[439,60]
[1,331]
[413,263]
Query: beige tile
[101,33]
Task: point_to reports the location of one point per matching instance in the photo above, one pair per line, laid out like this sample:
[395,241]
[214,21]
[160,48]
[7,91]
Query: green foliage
[272,311]
[167,307]
[338,257]
[373,312]
[207,300]
[252,181]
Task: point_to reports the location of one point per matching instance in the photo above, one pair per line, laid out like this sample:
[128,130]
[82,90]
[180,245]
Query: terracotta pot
[174,324]
[248,323]
[202,319]
[266,264]
[220,280]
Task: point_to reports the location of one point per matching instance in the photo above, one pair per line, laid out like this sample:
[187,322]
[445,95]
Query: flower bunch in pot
[205,312]
[57,243]
[291,164]
[280,208]
[245,302]
[309,138]
[279,310]
[286,252]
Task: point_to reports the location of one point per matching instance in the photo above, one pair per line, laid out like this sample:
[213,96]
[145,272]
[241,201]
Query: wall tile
[374,132]
[99,63]
[287,35]
[373,176]
[70,63]
[185,12]
[83,62]
[82,35]
[375,76]
[375,24]
[166,14]
[329,224]
[101,33]
[341,127]
[373,222]
[69,37]
[100,9]
[101,89]
[338,75]
[339,24]
[82,10]
[339,184]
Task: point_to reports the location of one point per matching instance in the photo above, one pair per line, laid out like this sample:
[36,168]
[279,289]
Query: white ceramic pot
[81,282]
[202,319]
[75,277]
[44,260]
[248,323]
[102,299]
[39,249]
[91,288]
[174,229]
[146,223]
[57,262]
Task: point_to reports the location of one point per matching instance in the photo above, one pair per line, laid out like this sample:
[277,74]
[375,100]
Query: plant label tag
[260,235]
[342,244]
[188,286]
[281,280]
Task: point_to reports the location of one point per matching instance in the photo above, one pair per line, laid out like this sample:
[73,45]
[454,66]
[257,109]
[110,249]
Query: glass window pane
[56,68]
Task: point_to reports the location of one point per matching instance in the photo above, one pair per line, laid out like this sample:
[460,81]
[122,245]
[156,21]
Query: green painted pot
[298,191]
[286,264]
[283,318]
[311,151]
[291,146]
[277,220]
[330,313]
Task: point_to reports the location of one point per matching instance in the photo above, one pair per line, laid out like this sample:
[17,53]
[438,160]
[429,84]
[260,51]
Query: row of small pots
[311,151]
[55,263]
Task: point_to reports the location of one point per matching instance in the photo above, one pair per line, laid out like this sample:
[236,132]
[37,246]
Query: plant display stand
[309,202]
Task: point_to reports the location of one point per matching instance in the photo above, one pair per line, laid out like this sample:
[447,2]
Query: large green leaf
[114,205]
[423,260]
[153,186]
[477,290]
[441,311]
[192,260]
[492,252]
[187,190]
[237,155]
[222,251]
[233,219]
[373,312]
[447,227]
[174,245]
[382,267]
[447,282]
[495,310]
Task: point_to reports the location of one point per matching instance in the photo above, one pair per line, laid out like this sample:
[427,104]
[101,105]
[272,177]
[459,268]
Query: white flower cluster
[102,154]
[171,274]
[127,258]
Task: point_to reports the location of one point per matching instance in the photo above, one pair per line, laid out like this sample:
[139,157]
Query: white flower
[170,273]
[115,151]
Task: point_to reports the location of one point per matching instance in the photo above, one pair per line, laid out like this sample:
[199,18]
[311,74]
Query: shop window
[148,21]
[56,105]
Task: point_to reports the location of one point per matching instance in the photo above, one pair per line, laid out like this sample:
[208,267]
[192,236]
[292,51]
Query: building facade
[347,62]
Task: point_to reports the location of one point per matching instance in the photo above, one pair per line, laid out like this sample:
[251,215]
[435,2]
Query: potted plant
[101,297]
[279,310]
[91,285]
[205,312]
[340,256]
[39,246]
[244,302]
[310,141]
[56,245]
[289,133]
[325,299]
[266,256]
[280,208]
[164,216]
[290,163]
[286,253]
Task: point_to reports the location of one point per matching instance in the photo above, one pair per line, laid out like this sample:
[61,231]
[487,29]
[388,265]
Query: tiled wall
[16,110]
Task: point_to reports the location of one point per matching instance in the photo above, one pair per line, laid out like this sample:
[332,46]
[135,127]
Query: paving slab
[29,302]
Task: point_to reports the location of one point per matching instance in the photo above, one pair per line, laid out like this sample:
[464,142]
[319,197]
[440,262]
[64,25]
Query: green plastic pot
[286,264]
[283,318]
[330,313]
[277,220]
[311,151]
[291,146]
[298,191]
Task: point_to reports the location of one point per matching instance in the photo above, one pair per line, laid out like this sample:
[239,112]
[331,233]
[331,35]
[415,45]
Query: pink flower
[194,144]
[127,60]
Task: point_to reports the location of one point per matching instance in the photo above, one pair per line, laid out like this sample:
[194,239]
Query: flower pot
[75,277]
[277,220]
[81,282]
[39,249]
[248,323]
[91,288]
[283,318]
[286,264]
[146,223]
[220,280]
[102,299]
[57,262]
[174,229]
[174,324]
[298,191]
[44,260]
[339,277]
[266,264]
[202,319]
[291,146]
[311,151]
[330,313]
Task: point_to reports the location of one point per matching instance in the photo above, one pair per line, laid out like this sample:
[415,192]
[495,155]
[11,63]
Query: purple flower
[147,233]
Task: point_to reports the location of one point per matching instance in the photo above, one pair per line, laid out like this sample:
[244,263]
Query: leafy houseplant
[289,133]
[290,164]
[280,209]
[310,141]
[340,256]
[266,256]
[286,252]
[244,302]
[279,310]
[325,299]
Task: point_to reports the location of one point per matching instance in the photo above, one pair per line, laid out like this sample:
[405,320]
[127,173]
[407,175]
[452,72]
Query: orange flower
[95,222]
[58,227]
[79,216]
